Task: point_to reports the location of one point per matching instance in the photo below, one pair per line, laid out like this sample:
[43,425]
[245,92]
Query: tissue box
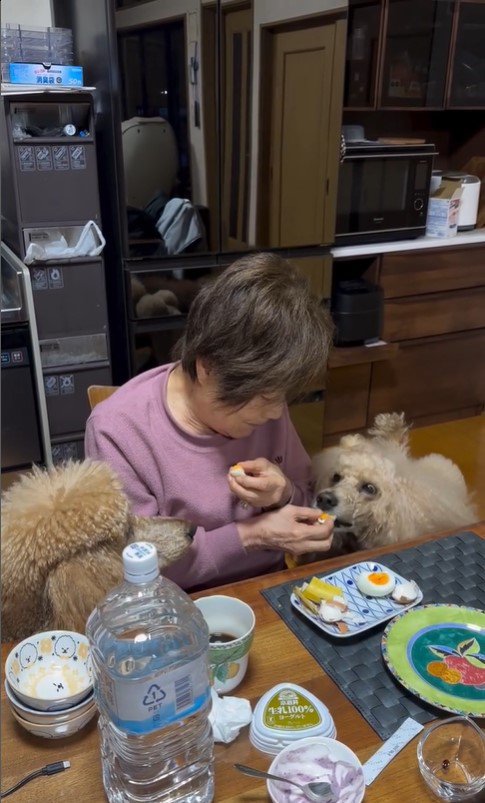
[443,208]
[45,74]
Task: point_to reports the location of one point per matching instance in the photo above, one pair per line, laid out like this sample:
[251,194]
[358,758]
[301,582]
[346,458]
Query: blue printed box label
[38,74]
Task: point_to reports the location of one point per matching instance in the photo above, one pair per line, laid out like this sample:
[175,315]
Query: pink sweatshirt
[169,472]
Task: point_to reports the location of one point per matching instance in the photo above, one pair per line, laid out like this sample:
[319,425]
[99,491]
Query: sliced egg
[376,584]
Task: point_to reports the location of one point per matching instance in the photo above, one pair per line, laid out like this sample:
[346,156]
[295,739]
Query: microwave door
[372,195]
[383,194]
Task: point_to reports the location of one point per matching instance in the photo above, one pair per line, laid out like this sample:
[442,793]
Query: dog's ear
[391,427]
[172,537]
[75,586]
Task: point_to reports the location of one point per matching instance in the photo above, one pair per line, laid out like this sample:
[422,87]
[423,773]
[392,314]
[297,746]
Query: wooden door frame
[210,102]
[228,243]
[264,113]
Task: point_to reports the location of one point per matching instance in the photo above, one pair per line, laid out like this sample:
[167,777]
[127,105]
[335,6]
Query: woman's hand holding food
[291,529]
[260,483]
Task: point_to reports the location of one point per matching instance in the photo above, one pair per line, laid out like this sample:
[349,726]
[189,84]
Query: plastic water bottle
[149,648]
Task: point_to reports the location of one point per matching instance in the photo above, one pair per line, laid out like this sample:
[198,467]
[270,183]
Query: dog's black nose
[326,500]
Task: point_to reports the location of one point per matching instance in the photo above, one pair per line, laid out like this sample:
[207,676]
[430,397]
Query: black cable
[49,769]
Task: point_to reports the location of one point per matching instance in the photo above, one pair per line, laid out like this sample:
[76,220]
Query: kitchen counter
[474,237]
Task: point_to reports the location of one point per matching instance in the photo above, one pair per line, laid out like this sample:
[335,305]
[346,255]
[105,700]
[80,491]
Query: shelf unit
[50,188]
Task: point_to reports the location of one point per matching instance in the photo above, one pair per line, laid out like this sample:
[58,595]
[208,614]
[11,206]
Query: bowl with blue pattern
[50,671]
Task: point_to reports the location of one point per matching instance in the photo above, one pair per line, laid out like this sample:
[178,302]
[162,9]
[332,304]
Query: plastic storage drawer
[67,396]
[70,298]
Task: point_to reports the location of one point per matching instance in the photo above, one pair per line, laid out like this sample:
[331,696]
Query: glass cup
[451,758]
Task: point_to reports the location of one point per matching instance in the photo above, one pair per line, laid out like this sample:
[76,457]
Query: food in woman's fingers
[237,470]
[323,517]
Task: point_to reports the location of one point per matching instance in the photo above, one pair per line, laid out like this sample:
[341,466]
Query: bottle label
[143,706]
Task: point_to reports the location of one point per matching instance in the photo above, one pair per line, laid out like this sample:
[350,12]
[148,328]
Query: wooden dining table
[276,656]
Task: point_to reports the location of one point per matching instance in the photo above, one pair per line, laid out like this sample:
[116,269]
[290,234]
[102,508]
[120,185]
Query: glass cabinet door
[468,75]
[362,53]
[417,45]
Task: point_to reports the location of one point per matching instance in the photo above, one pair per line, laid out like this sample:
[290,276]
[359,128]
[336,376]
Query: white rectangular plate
[370,611]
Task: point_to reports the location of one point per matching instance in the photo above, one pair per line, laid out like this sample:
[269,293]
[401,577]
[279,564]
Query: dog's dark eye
[368,488]
[336,478]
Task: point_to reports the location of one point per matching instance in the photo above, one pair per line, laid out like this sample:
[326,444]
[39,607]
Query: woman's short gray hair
[258,327]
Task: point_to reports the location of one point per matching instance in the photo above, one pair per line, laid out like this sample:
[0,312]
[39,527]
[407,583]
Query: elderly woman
[255,337]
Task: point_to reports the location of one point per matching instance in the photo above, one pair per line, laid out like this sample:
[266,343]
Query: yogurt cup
[286,714]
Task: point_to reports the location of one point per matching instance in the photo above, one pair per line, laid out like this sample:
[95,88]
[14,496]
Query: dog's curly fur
[63,532]
[412,496]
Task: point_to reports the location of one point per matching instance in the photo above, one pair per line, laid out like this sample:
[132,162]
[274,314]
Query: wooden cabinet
[410,54]
[435,311]
[436,270]
[363,48]
[434,314]
[307,418]
[468,65]
[416,46]
[432,379]
[346,399]
[434,367]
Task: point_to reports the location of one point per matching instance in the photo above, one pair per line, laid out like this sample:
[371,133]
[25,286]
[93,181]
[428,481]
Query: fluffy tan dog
[380,495]
[63,532]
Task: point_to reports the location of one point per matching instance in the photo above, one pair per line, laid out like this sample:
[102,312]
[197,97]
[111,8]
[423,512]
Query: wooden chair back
[98,393]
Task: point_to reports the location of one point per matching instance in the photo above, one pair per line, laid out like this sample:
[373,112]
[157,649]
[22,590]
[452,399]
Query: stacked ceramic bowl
[48,683]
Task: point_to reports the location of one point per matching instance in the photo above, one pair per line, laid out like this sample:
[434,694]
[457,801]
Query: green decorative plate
[438,653]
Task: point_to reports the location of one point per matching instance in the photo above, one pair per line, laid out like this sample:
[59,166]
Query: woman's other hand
[263,484]
[291,529]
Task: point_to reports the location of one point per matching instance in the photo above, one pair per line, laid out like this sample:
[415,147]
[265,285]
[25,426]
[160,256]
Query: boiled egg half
[376,584]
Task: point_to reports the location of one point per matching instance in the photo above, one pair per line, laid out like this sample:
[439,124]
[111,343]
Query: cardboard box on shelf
[443,207]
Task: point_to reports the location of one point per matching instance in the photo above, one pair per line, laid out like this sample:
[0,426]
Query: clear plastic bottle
[149,647]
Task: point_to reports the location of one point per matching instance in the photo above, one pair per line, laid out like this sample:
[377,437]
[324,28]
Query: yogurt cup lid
[286,713]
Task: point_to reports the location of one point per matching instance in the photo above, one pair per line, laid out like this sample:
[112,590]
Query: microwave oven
[383,192]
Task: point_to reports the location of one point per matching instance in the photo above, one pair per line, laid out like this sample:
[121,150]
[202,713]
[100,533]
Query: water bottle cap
[140,562]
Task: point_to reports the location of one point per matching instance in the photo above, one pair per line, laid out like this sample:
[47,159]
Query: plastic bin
[66,391]
[69,298]
[75,350]
[37,45]
[71,448]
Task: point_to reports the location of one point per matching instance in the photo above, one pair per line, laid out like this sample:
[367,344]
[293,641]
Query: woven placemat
[448,570]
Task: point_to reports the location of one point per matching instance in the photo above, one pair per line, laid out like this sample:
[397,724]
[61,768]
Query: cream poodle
[380,495]
[63,533]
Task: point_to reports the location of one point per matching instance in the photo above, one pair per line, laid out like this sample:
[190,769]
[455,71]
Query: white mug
[231,627]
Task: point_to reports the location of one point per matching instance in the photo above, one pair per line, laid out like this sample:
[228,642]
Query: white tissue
[228,716]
